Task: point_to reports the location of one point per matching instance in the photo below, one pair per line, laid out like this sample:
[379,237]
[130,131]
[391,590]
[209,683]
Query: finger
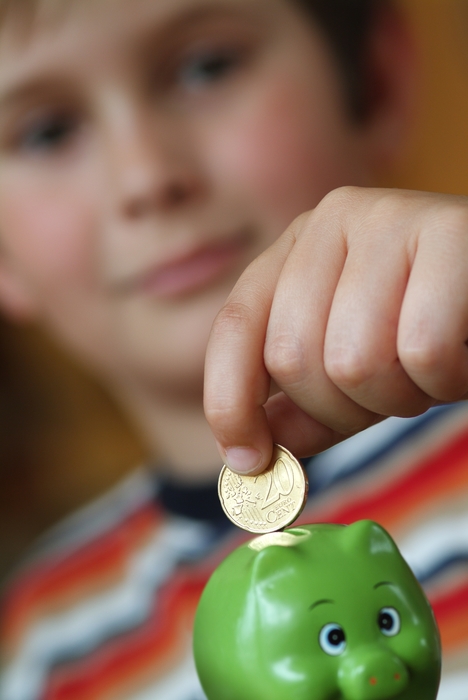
[434,319]
[298,320]
[236,380]
[361,354]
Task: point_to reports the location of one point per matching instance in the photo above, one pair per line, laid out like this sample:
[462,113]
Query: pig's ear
[274,551]
[367,537]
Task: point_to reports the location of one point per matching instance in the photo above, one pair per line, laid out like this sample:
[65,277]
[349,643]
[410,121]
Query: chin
[166,346]
[178,372]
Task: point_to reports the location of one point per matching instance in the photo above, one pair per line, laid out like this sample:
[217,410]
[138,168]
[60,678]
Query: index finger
[237,383]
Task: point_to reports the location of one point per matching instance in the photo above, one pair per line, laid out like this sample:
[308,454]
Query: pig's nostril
[373,680]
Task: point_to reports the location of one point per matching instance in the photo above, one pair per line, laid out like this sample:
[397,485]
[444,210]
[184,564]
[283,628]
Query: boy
[149,151]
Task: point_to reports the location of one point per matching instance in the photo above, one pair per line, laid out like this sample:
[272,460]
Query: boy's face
[149,150]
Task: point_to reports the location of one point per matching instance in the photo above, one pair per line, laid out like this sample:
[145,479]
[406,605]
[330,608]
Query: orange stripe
[451,611]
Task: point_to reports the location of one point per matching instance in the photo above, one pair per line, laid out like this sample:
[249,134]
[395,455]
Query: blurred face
[149,150]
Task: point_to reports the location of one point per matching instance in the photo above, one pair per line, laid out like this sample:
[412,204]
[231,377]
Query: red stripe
[442,474]
[58,582]
[153,648]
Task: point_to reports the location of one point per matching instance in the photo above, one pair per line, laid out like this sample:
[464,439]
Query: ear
[367,537]
[272,561]
[391,85]
[16,299]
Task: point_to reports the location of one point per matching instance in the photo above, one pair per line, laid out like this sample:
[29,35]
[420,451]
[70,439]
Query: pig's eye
[389,622]
[332,639]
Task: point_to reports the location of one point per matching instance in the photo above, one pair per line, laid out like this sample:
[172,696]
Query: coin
[269,501]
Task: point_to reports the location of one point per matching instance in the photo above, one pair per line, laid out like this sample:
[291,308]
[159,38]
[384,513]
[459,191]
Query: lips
[193,271]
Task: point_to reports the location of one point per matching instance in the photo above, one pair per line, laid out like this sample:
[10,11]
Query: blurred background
[63,441]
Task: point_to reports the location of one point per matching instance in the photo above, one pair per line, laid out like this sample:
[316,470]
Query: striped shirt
[103,609]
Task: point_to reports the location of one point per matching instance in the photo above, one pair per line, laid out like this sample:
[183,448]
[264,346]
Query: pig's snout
[372,674]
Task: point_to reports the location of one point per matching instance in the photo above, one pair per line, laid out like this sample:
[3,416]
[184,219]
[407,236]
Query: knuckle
[423,358]
[221,413]
[453,219]
[348,368]
[337,203]
[430,366]
[340,211]
[234,317]
[285,359]
[341,196]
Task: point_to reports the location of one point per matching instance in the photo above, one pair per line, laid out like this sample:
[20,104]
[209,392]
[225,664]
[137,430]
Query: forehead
[28,16]
[32,30]
[41,40]
[25,13]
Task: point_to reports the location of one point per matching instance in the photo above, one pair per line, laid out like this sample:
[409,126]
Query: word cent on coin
[269,501]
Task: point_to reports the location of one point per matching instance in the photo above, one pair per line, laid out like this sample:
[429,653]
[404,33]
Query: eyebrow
[190,16]
[320,602]
[209,8]
[27,88]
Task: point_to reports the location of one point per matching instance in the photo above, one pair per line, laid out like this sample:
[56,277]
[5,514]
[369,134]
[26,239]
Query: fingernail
[243,459]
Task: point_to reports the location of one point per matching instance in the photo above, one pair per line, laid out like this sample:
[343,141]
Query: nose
[372,674]
[151,164]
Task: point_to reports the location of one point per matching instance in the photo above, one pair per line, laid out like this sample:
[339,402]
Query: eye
[209,66]
[47,133]
[389,622]
[332,639]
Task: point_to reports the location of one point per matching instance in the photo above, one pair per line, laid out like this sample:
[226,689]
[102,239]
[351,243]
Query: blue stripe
[441,566]
[320,480]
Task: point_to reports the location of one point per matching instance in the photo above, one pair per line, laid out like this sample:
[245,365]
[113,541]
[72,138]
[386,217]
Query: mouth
[194,270]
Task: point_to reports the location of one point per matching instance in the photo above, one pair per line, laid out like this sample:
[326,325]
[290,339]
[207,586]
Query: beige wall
[437,157]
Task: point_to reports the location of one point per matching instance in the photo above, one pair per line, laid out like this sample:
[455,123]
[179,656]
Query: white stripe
[181,684]
[87,624]
[434,542]
[454,687]
[346,456]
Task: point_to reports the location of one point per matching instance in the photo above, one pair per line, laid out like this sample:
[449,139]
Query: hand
[358,311]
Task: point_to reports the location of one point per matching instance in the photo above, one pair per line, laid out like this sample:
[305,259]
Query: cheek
[46,231]
[49,235]
[288,150]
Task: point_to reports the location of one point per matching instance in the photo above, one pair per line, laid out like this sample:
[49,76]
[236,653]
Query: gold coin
[269,501]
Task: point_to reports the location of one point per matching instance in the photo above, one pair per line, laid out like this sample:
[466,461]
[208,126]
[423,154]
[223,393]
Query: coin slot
[278,539]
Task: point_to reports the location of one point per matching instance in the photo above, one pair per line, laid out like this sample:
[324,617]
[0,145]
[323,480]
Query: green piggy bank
[319,612]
